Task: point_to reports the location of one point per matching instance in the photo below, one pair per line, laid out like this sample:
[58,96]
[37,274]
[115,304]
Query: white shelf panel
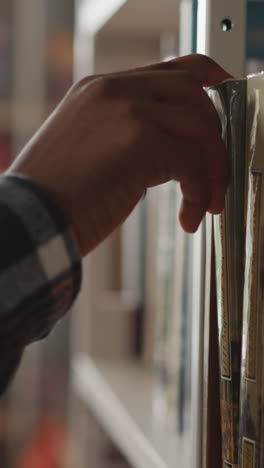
[120,397]
[226,47]
[147,17]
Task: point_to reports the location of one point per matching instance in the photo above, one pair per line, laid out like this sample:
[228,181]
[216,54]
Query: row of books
[239,253]
[238,243]
[169,296]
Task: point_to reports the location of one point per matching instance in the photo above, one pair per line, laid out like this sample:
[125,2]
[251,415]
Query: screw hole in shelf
[227,25]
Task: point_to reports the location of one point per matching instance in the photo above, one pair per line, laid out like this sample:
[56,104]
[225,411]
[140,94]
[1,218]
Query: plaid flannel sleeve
[40,269]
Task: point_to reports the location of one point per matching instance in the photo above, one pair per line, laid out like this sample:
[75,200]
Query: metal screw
[226,25]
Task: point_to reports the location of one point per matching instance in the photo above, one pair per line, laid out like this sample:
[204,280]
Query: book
[173,327]
[230,99]
[251,451]
[166,226]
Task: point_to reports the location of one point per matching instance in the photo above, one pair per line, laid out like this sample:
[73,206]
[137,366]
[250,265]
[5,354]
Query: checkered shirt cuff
[40,263]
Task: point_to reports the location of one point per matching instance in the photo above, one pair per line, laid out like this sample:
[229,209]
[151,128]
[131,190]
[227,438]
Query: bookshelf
[119,395]
[120,16]
[122,393]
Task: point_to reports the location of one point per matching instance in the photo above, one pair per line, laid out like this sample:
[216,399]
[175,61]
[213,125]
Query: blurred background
[44,46]
[133,318]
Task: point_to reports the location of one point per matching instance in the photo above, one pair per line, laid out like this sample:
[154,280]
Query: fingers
[168,85]
[169,100]
[182,143]
[197,126]
[194,154]
[204,69]
[191,215]
[201,67]
[194,125]
[182,160]
[196,197]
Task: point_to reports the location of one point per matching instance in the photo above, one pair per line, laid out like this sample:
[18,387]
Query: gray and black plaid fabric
[40,268]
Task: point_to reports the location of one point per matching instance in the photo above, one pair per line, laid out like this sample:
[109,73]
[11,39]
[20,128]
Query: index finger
[204,70]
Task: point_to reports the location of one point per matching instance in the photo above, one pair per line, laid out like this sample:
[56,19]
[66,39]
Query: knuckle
[95,85]
[103,86]
[82,83]
[204,60]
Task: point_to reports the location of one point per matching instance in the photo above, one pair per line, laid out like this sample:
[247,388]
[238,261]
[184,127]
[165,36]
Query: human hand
[115,135]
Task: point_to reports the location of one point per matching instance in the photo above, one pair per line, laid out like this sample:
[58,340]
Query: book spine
[251,447]
[167,204]
[251,420]
[229,227]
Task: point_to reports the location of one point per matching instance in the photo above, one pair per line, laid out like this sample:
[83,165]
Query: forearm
[40,269]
